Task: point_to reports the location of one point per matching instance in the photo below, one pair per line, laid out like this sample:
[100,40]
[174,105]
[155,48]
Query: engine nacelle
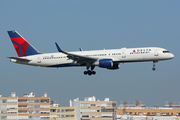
[115,66]
[106,63]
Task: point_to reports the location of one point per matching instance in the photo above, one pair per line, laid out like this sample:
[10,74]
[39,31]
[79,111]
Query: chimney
[52,102]
[13,94]
[106,99]
[137,103]
[45,94]
[70,103]
[170,104]
[125,103]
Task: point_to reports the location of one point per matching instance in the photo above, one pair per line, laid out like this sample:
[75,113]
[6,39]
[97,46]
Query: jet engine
[107,63]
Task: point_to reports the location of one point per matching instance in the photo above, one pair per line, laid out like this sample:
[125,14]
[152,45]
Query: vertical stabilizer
[22,47]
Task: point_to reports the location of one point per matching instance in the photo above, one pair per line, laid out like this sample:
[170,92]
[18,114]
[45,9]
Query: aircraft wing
[80,59]
[19,58]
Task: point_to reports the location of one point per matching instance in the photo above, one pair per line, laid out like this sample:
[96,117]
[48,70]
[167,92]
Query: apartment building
[92,109]
[26,107]
[61,113]
[139,109]
[145,117]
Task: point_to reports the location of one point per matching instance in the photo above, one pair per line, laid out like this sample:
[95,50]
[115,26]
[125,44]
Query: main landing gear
[90,72]
[154,64]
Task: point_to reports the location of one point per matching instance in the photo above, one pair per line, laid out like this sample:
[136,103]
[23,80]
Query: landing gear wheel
[93,72]
[85,72]
[153,69]
[89,72]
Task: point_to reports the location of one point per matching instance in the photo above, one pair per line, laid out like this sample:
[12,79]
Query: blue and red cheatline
[22,47]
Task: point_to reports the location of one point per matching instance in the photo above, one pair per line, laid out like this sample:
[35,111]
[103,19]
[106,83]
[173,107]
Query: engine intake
[106,63]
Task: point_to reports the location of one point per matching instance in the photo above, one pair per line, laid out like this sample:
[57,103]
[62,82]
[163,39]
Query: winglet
[80,49]
[59,49]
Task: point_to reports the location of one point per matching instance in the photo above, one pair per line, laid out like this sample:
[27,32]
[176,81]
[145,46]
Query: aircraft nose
[171,56]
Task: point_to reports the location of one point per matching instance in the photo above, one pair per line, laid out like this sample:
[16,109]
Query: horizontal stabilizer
[18,58]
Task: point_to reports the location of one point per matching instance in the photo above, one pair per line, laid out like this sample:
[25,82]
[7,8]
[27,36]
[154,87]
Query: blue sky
[92,25]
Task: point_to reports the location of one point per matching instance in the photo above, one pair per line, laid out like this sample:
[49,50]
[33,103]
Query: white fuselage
[117,55]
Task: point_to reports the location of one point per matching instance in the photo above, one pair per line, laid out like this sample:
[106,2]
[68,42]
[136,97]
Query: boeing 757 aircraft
[109,59]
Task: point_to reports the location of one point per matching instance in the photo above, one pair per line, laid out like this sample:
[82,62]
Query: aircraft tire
[89,72]
[153,69]
[85,72]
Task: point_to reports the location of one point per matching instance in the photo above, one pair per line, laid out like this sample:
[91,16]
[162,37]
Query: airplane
[109,59]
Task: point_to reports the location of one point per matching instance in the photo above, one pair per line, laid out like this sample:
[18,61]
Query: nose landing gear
[154,64]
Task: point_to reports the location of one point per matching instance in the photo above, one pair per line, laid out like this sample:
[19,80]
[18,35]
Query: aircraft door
[123,55]
[38,60]
[156,53]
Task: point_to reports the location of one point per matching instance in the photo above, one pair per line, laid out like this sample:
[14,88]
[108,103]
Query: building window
[44,112]
[103,110]
[12,101]
[53,110]
[85,115]
[85,104]
[67,116]
[45,101]
[30,101]
[93,104]
[34,117]
[62,110]
[3,117]
[3,106]
[22,101]
[30,106]
[4,100]
[45,117]
[36,106]
[85,110]
[62,116]
[22,111]
[36,101]
[44,106]
[3,112]
[22,106]
[69,110]
[34,112]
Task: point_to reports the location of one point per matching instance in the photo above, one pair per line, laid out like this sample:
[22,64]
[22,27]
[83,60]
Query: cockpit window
[165,51]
